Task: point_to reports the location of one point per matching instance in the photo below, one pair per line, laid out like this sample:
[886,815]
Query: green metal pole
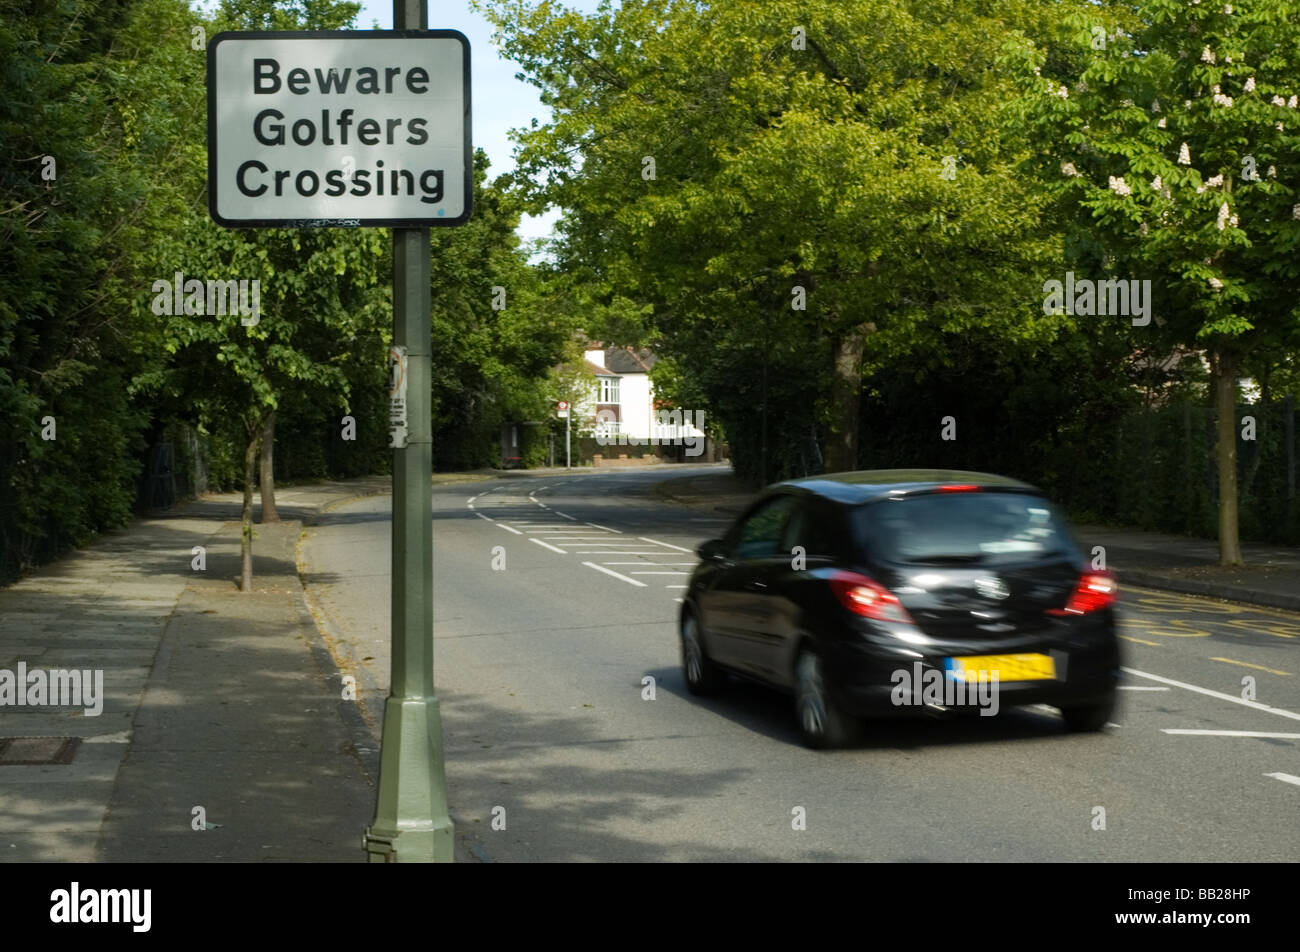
[411,823]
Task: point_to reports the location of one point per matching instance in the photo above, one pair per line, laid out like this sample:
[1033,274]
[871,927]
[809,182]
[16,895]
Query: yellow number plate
[1012,667]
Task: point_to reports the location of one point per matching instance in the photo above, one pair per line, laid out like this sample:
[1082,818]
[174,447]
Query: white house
[621,408]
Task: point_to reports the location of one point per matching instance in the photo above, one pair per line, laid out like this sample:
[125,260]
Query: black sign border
[443,222]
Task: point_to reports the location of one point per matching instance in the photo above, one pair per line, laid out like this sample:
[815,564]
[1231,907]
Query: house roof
[625,360]
[596,369]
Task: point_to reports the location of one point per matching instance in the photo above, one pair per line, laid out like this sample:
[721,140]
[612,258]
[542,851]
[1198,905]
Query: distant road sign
[345,128]
[564,405]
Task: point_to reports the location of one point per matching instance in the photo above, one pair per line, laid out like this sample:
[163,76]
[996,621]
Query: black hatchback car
[897,592]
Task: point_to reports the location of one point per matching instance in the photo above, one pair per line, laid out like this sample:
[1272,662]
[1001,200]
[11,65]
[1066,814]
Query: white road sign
[348,128]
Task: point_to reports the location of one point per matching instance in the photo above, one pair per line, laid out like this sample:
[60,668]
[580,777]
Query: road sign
[564,409]
[341,128]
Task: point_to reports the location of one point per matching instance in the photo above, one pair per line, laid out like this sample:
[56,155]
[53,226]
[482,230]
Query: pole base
[411,823]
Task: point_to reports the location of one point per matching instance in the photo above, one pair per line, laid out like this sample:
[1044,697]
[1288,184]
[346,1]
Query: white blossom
[1293,102]
[1295,212]
[1119,186]
[1224,212]
[1227,8]
[1068,169]
[1249,85]
[1221,100]
[1272,171]
[1278,101]
[1207,55]
[1155,105]
[1161,123]
[1215,182]
[1184,155]
[1063,92]
[1157,183]
[1216,284]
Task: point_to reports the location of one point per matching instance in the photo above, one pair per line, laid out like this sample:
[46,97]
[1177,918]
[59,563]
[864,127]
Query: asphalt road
[541,668]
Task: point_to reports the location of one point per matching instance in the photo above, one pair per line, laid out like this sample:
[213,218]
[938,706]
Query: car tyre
[1090,717]
[703,677]
[822,723]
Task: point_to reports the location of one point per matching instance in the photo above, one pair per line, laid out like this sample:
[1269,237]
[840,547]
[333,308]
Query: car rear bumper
[872,680]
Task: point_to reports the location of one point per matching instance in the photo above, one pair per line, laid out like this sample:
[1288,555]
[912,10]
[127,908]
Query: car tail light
[960,488]
[868,598]
[1095,591]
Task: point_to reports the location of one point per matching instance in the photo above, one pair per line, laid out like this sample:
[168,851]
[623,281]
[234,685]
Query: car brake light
[1095,591]
[960,488]
[868,598]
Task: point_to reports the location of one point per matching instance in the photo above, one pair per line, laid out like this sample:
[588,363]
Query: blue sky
[500,102]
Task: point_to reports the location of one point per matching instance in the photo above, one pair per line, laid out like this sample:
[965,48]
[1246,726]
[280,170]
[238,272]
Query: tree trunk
[846,400]
[1225,406]
[269,512]
[250,472]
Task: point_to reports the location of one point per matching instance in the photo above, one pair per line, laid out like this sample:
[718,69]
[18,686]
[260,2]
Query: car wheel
[1091,717]
[821,721]
[702,675]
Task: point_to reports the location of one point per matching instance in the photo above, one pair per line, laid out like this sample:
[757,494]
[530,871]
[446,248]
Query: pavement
[224,733]
[1270,576]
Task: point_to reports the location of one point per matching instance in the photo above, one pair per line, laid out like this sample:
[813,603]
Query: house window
[609,390]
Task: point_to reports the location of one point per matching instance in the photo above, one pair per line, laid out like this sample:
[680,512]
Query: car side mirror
[710,551]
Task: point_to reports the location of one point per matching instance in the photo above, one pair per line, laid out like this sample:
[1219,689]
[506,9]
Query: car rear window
[976,528]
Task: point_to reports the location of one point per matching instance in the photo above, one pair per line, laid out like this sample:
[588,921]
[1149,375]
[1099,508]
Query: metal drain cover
[37,750]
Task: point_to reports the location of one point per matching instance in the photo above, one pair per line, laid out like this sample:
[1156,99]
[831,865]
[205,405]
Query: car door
[735,608]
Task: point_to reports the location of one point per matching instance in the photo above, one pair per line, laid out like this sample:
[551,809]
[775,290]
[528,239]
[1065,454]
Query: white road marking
[677,547]
[677,600]
[508,529]
[1254,705]
[1205,733]
[601,568]
[676,586]
[596,552]
[547,545]
[488,518]
[1140,687]
[606,528]
[1284,777]
[564,516]
[659,573]
[643,562]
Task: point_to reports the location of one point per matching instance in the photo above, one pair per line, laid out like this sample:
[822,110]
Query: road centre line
[1210,733]
[547,545]
[600,568]
[1254,705]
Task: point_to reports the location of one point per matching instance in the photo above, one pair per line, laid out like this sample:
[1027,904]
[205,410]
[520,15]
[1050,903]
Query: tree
[1171,146]
[800,191]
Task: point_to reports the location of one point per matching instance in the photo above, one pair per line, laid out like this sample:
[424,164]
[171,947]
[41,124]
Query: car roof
[868,484]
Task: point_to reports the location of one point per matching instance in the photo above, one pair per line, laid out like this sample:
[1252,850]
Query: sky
[499,101]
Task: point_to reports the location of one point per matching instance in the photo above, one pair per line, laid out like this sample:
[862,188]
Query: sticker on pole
[397,421]
[343,128]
